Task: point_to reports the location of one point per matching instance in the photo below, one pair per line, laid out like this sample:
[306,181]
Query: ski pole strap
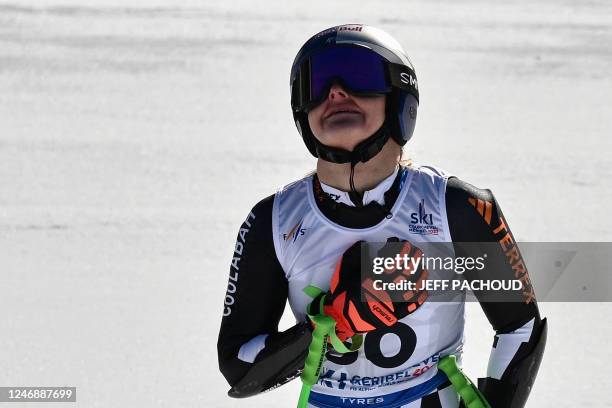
[468,392]
[324,331]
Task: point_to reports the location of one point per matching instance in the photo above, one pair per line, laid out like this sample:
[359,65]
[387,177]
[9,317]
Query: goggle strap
[404,78]
[305,81]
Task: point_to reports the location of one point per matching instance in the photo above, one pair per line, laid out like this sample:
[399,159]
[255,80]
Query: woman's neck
[367,175]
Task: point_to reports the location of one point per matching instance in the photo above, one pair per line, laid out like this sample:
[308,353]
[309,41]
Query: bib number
[373,348]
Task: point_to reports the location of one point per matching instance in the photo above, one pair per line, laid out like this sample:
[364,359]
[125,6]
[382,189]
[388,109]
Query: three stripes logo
[484,208]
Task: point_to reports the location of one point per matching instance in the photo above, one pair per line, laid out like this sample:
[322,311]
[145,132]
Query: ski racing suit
[294,238]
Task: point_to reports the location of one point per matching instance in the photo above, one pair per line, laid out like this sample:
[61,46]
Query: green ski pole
[468,392]
[316,354]
[324,330]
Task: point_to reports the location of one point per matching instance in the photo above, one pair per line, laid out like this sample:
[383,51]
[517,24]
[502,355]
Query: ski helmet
[365,61]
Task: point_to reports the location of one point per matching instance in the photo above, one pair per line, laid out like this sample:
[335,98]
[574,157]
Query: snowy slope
[136,135]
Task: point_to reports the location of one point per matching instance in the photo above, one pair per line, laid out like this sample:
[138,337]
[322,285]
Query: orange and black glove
[344,301]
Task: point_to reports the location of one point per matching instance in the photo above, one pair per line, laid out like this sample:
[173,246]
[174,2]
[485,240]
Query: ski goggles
[359,70]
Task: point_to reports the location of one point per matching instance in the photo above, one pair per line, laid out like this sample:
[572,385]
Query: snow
[136,135]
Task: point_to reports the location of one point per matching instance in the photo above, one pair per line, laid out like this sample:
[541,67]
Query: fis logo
[295,232]
[421,222]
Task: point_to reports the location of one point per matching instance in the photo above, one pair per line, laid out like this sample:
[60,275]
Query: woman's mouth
[342,111]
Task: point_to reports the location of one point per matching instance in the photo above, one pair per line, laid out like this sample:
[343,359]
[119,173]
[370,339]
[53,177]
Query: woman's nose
[336,92]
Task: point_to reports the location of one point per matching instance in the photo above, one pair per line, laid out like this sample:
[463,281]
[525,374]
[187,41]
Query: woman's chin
[346,138]
[344,144]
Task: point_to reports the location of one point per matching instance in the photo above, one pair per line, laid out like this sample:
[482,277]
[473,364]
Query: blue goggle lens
[356,68]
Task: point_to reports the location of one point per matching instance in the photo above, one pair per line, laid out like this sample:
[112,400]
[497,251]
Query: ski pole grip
[316,350]
[324,330]
[462,385]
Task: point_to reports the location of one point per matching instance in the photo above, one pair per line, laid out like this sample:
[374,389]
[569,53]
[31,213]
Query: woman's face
[343,120]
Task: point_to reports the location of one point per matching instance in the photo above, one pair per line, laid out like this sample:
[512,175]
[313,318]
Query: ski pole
[324,331]
[468,392]
[316,354]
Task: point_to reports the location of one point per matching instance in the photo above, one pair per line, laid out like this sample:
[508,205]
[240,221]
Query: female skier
[354,95]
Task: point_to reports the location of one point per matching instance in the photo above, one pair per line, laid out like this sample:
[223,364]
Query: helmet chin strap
[363,152]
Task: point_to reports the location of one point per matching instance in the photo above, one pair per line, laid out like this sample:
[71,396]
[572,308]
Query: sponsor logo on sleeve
[508,244]
[232,284]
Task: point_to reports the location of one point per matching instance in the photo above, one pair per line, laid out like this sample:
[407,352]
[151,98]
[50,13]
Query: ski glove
[344,302]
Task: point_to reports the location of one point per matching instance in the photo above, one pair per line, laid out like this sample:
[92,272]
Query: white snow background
[136,135]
